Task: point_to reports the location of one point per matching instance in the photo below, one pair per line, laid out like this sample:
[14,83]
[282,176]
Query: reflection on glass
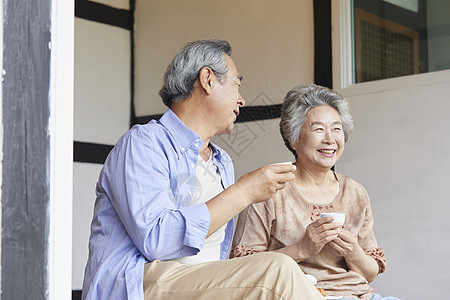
[398,38]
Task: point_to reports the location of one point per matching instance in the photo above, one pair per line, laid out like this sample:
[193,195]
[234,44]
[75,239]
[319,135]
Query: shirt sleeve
[366,237]
[137,182]
[253,231]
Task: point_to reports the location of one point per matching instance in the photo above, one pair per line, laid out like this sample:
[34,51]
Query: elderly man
[166,198]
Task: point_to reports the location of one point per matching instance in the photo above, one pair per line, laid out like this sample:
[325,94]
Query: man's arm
[257,186]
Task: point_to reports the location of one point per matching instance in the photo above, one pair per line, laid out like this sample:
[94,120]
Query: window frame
[343,60]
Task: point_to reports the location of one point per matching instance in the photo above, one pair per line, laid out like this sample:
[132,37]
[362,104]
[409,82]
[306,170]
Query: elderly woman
[315,124]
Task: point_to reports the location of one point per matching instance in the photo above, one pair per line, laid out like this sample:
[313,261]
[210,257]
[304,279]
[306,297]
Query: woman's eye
[318,129]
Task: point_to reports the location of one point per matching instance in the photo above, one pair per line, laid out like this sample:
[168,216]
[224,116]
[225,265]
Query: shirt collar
[215,150]
[184,136]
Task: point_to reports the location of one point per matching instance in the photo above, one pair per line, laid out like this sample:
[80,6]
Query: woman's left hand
[345,245]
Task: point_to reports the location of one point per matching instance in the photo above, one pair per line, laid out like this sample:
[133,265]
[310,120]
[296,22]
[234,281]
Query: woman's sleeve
[253,230]
[366,237]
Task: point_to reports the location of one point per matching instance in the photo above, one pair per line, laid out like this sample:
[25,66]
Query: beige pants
[260,276]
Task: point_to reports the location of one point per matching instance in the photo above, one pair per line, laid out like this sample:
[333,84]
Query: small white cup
[282,163]
[338,217]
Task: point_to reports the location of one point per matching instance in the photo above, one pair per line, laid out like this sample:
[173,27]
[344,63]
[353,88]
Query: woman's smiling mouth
[327,151]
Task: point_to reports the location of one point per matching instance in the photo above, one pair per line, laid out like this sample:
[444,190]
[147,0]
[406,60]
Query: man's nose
[241,100]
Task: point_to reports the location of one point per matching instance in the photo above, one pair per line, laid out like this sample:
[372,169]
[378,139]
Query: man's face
[227,99]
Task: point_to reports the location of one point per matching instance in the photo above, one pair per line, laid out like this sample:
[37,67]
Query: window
[393,38]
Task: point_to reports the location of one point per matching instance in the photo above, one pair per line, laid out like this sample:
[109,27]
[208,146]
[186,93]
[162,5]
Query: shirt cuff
[380,258]
[197,220]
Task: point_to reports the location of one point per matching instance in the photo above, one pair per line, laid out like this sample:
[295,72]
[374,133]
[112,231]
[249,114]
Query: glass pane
[400,37]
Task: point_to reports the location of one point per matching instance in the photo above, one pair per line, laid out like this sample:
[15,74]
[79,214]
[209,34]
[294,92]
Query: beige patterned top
[282,221]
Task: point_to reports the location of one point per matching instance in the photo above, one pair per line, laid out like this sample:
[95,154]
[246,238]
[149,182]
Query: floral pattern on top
[316,210]
[240,251]
[380,258]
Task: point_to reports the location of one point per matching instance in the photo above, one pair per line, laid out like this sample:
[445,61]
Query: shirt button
[196,145]
[190,193]
[196,140]
[182,149]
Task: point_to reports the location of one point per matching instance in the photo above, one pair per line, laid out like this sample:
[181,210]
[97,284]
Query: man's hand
[262,184]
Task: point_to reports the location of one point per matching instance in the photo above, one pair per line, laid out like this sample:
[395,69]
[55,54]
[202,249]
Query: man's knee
[281,262]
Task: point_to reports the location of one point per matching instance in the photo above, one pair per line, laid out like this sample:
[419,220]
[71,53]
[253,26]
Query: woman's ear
[205,79]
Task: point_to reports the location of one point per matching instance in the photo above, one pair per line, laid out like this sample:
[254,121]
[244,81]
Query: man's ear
[205,79]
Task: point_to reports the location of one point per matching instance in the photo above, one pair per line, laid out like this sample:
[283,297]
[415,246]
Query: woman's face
[321,142]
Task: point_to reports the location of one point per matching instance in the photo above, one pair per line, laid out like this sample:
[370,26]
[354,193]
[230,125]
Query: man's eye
[318,129]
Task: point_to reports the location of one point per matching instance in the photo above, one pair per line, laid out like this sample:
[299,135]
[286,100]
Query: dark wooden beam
[26,149]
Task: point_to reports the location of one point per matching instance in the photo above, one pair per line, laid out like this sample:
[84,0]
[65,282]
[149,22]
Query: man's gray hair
[300,100]
[184,70]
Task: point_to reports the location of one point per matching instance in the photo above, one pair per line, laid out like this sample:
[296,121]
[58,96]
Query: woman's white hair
[300,100]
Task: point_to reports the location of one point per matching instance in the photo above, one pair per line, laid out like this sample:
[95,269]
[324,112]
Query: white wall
[102,82]
[84,180]
[273,48]
[399,152]
[101,115]
[60,131]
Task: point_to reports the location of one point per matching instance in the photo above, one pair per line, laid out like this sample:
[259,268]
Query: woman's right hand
[317,235]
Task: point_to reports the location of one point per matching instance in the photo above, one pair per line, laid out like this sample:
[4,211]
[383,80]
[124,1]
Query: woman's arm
[252,234]
[346,245]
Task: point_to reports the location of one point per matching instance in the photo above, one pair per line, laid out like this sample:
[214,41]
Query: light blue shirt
[142,210]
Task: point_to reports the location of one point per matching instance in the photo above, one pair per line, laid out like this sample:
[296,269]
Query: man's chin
[229,130]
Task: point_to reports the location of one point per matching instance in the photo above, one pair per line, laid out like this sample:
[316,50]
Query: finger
[280,186]
[339,242]
[283,168]
[333,245]
[346,236]
[285,177]
[331,226]
[325,235]
[329,239]
[322,221]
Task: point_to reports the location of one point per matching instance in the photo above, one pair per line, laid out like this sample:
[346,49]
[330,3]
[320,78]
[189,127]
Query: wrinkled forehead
[323,114]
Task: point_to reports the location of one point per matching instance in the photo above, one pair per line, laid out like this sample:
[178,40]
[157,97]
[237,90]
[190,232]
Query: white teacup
[282,163]
[338,217]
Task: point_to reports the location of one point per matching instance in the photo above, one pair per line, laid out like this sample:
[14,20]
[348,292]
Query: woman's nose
[328,137]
